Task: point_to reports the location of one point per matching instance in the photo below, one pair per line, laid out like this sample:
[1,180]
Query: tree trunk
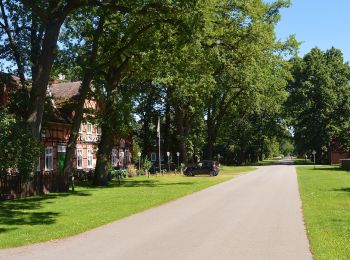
[83,91]
[78,117]
[104,150]
[180,128]
[146,141]
[39,87]
[211,136]
[166,146]
[113,79]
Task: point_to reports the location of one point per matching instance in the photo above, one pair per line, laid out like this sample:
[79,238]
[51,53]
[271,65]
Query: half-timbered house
[55,134]
[57,127]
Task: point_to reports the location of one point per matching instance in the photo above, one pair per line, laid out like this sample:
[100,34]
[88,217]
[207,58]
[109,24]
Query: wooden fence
[13,186]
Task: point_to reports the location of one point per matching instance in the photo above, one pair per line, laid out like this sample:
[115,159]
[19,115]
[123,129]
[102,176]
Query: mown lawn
[325,193]
[54,216]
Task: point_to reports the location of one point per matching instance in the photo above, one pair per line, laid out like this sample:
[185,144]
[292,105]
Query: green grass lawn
[325,193]
[59,215]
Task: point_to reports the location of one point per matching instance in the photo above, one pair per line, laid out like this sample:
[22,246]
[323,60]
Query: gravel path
[255,216]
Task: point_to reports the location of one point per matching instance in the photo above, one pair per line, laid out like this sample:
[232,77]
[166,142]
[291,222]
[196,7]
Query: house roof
[62,95]
[65,91]
[11,81]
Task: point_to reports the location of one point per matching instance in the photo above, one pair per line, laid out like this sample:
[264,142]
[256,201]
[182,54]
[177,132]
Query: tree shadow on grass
[325,168]
[343,189]
[4,230]
[30,211]
[136,183]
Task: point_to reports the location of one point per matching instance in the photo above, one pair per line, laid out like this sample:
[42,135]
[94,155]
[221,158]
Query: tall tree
[238,51]
[88,67]
[132,37]
[40,25]
[318,101]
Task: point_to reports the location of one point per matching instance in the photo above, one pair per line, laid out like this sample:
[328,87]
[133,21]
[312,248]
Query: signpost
[139,154]
[314,153]
[178,162]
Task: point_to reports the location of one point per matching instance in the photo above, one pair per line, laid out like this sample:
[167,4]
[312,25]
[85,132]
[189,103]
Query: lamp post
[168,154]
[139,154]
[314,153]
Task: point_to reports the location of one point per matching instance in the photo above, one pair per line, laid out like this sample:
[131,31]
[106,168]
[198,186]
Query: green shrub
[18,149]
[146,164]
[122,173]
[140,172]
[131,170]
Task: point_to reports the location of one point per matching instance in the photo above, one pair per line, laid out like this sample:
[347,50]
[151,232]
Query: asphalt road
[255,216]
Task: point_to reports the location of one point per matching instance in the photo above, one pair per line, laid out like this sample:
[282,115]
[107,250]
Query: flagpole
[158,133]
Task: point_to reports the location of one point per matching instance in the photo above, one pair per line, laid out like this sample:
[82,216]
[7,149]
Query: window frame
[79,150]
[153,157]
[98,130]
[114,157]
[88,125]
[90,155]
[48,158]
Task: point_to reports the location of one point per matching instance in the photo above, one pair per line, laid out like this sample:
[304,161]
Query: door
[61,156]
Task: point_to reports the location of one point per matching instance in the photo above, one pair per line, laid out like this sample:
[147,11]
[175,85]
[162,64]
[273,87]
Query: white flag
[158,128]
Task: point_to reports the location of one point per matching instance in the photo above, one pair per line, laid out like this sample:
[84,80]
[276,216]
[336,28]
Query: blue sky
[321,23]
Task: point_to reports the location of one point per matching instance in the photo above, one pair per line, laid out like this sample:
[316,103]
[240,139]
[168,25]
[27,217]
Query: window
[98,130]
[121,157]
[114,157]
[153,157]
[48,159]
[81,129]
[127,156]
[88,128]
[79,158]
[90,157]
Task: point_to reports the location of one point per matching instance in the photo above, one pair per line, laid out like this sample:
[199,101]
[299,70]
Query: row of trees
[211,69]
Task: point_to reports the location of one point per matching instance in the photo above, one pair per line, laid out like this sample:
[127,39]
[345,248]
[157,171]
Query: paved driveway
[255,216]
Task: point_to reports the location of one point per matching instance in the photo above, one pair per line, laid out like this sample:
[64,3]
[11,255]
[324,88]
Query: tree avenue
[212,71]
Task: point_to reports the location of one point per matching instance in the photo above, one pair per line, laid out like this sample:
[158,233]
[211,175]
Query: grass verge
[59,215]
[325,193]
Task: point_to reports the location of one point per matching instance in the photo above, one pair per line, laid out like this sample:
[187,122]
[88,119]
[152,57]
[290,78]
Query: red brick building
[337,153]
